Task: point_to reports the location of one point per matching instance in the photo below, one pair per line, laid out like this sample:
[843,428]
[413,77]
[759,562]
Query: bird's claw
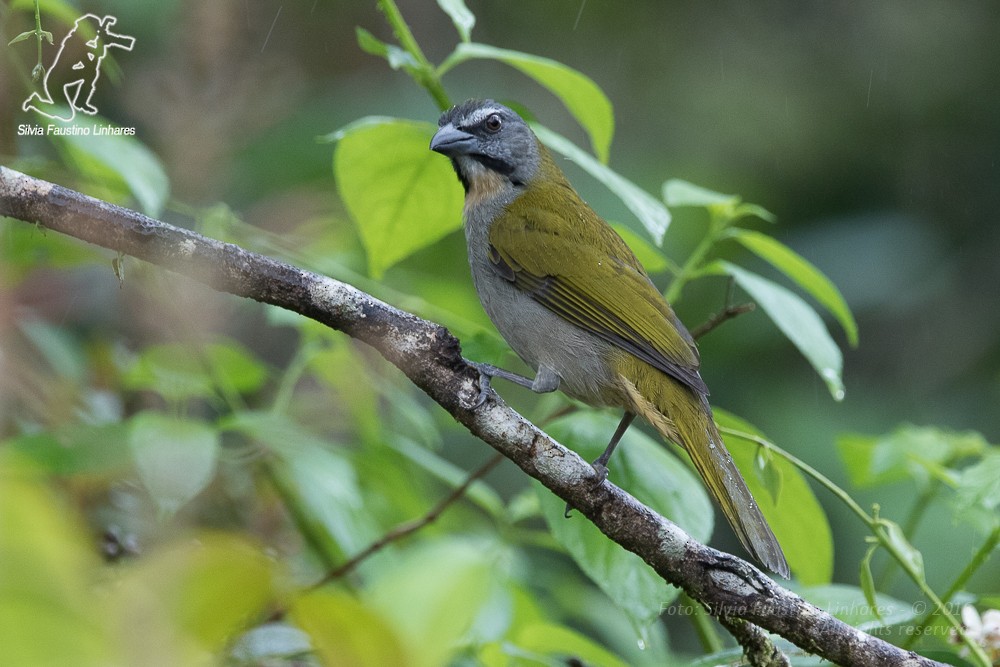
[484,387]
[601,471]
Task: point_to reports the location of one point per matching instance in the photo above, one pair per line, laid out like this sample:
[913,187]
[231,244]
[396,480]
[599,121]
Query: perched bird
[572,300]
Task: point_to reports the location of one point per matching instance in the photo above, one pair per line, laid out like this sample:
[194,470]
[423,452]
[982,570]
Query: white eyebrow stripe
[479,115]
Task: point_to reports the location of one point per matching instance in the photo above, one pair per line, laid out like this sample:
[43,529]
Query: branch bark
[431,358]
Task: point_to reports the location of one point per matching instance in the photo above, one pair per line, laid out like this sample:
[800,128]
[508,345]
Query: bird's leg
[546,380]
[600,465]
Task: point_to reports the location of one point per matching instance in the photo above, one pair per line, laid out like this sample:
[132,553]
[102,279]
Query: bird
[573,301]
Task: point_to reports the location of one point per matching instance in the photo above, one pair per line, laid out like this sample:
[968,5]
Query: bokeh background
[871,130]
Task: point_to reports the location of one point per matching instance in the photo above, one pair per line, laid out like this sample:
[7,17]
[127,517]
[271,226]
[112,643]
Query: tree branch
[431,358]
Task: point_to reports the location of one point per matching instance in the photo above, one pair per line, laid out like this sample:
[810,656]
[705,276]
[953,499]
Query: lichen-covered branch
[431,358]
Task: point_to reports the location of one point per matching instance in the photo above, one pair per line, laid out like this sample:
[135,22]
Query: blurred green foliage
[224,457]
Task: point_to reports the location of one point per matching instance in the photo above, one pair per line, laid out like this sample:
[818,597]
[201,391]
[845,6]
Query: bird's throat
[484,186]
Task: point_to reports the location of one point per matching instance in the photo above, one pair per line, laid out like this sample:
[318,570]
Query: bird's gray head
[490,146]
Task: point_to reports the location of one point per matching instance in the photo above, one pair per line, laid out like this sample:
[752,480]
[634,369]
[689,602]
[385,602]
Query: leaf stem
[38,38]
[879,531]
[424,74]
[909,528]
[696,258]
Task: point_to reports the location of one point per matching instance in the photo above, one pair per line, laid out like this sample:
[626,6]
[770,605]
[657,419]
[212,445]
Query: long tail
[684,416]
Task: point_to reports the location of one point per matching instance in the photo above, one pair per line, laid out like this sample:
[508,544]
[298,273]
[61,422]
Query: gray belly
[542,338]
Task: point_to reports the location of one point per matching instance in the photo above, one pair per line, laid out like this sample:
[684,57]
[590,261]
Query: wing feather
[597,285]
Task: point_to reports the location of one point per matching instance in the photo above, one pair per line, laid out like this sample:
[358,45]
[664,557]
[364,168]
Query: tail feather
[684,416]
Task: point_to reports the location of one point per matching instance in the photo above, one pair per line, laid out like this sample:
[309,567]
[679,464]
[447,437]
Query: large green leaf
[797,320]
[795,516]
[653,215]
[642,467]
[582,97]
[802,272]
[402,196]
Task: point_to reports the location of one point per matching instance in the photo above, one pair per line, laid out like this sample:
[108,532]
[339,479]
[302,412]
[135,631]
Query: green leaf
[651,257]
[177,371]
[904,454]
[678,192]
[800,271]
[123,156]
[643,468]
[796,517]
[978,494]
[23,36]
[729,208]
[175,457]
[433,594]
[582,97]
[551,639]
[460,15]
[768,474]
[911,555]
[797,320]
[444,470]
[650,212]
[320,476]
[77,449]
[402,196]
[235,364]
[868,581]
[395,56]
[848,603]
[346,631]
[200,592]
[50,614]
[172,371]
[56,346]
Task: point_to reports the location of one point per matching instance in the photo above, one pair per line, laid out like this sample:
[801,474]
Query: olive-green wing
[585,273]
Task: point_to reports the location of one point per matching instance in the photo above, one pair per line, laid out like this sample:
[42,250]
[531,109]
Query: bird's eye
[493,123]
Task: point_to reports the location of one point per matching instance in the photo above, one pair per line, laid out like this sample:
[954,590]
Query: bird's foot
[488,371]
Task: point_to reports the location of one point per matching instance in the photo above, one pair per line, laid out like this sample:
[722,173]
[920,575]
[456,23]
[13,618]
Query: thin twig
[727,313]
[410,527]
